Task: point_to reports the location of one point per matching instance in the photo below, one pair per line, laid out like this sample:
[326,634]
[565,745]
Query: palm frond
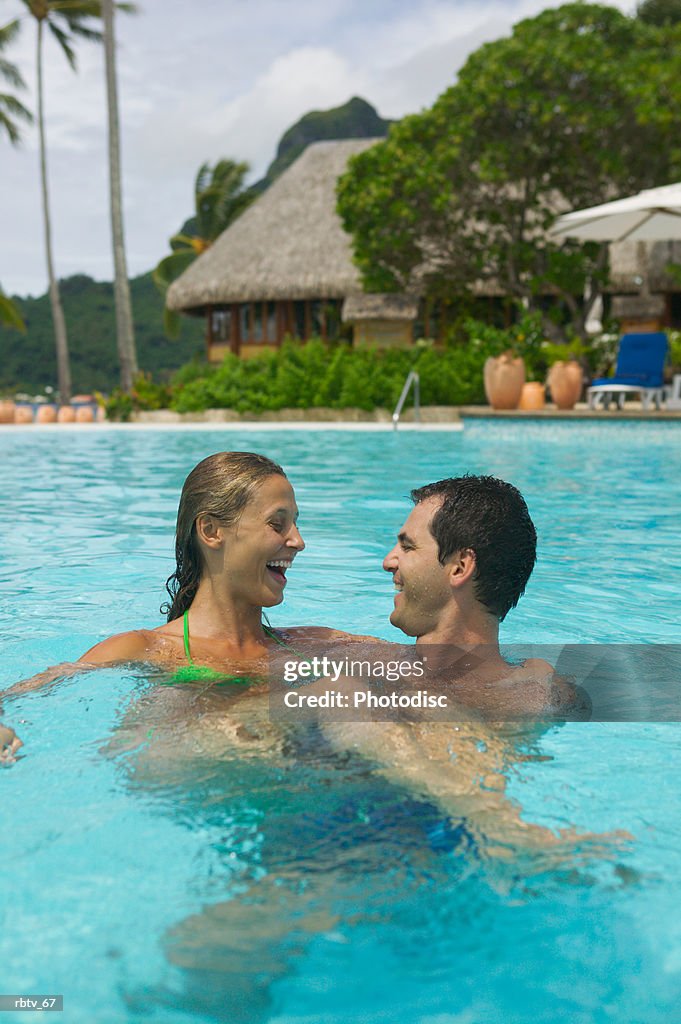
[64,42]
[8,32]
[180,242]
[10,72]
[203,179]
[9,314]
[8,125]
[14,107]
[76,8]
[94,35]
[172,323]
[170,267]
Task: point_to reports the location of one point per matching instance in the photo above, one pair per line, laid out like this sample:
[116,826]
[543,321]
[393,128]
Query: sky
[203,80]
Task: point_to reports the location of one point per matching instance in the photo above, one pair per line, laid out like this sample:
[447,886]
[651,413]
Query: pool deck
[433,417]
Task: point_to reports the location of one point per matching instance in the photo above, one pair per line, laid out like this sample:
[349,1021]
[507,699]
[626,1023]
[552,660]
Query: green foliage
[314,375]
[337,377]
[9,314]
[578,104]
[11,109]
[675,350]
[29,363]
[119,406]
[660,12]
[219,198]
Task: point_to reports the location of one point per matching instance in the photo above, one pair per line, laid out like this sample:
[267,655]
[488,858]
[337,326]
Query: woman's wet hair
[221,486]
[489,517]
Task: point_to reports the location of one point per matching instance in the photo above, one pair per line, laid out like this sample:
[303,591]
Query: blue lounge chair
[640,364]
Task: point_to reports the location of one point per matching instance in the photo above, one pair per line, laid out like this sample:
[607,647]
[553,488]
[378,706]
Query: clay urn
[504,377]
[67,414]
[23,414]
[565,382]
[7,408]
[46,414]
[85,414]
[532,397]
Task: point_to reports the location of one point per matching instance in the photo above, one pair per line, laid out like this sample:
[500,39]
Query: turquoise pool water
[386,917]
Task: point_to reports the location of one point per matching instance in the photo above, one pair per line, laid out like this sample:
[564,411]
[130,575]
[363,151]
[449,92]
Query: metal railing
[412,378]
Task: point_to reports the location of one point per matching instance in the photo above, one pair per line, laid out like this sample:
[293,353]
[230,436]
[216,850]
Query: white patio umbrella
[653,215]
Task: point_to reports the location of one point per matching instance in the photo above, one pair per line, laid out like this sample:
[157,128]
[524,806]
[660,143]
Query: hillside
[28,362]
[356,119]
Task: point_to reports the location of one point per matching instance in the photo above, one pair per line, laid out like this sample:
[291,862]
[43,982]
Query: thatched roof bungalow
[285,266]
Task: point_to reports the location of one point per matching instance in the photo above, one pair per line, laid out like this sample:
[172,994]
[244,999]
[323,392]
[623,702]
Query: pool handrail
[412,378]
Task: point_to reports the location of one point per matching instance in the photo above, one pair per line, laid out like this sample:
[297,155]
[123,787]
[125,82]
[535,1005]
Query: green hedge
[311,375]
[303,376]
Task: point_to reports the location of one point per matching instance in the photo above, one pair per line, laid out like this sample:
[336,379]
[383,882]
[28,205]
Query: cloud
[221,78]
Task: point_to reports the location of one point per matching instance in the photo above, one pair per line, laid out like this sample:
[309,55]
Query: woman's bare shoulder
[136,645]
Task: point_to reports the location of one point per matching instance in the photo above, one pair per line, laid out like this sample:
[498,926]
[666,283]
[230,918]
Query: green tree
[125,331]
[219,198]
[660,12]
[545,120]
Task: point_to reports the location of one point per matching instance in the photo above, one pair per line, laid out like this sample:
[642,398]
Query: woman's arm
[132,646]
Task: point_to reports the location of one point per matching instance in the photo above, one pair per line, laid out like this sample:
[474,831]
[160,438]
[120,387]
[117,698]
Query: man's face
[422,590]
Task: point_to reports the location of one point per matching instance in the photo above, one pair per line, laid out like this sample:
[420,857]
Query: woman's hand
[9,744]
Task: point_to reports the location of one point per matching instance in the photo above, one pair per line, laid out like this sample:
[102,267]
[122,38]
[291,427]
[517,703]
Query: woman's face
[260,548]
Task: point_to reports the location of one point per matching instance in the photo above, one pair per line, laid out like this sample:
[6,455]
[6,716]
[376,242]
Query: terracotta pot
[23,414]
[504,378]
[7,408]
[565,382]
[85,414]
[67,414]
[533,396]
[46,414]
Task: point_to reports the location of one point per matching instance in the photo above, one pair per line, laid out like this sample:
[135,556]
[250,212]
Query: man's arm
[460,767]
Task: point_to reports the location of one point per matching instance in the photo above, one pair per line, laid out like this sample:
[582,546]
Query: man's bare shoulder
[538,690]
[326,633]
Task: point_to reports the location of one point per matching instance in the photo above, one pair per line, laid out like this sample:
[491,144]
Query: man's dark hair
[490,518]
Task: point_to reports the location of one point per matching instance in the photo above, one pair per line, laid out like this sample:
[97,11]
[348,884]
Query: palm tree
[66,20]
[125,332]
[219,198]
[12,110]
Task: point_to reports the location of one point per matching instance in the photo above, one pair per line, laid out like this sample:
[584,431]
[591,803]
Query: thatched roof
[288,245]
[379,306]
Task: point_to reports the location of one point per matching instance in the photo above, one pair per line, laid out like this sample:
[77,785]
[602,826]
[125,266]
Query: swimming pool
[384,916]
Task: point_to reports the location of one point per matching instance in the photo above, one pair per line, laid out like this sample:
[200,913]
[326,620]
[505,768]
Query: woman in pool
[236,539]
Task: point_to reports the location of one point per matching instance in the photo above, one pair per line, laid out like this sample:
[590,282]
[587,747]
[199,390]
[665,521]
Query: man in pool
[461,562]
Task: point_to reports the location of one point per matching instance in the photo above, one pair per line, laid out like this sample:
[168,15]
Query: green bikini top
[191,673]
